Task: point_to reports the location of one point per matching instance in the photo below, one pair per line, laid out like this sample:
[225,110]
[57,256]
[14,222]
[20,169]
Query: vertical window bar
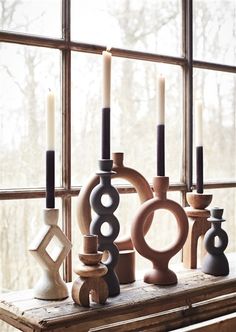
[66,128]
[188,92]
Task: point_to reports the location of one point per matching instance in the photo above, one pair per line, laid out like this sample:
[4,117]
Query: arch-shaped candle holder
[160,274]
[126,266]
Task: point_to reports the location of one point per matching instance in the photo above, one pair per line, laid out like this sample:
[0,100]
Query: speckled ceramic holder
[215,261]
[160,274]
[104,214]
[125,270]
[198,226]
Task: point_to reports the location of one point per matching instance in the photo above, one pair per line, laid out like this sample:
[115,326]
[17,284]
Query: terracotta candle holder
[50,286]
[161,274]
[215,261]
[198,226]
[125,270]
[91,272]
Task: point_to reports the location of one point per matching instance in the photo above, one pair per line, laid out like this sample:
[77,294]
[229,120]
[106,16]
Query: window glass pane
[226,198]
[133,115]
[161,234]
[26,74]
[216,90]
[151,26]
[21,221]
[215,31]
[41,17]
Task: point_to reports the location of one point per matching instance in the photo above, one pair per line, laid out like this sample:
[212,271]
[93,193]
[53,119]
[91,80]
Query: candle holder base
[50,286]
[198,226]
[161,274]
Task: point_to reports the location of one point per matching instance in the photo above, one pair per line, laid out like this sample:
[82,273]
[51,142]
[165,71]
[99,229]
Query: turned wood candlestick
[198,226]
[91,274]
[161,274]
[125,268]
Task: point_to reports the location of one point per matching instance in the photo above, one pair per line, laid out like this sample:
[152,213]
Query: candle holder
[104,214]
[215,261]
[50,286]
[160,274]
[125,268]
[91,274]
[198,226]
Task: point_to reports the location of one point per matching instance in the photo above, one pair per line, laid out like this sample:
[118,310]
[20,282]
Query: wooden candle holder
[50,286]
[91,274]
[161,274]
[198,226]
[125,268]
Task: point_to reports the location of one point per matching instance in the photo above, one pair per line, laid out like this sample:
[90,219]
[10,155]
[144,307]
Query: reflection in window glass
[133,115]
[216,90]
[26,74]
[215,31]
[151,26]
[41,17]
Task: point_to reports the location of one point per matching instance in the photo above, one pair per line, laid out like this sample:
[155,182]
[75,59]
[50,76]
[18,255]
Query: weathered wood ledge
[197,297]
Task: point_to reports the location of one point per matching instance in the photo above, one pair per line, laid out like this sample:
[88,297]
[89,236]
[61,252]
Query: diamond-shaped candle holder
[50,256]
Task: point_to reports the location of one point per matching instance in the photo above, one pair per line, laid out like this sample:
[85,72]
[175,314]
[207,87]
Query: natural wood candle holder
[91,274]
[125,270]
[161,274]
[50,286]
[198,226]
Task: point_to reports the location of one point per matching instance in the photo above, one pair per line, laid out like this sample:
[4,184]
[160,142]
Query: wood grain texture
[195,298]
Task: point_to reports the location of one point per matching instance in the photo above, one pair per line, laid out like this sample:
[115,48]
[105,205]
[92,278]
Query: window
[53,44]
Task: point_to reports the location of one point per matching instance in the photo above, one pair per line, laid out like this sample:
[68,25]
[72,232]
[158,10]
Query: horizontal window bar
[214,66]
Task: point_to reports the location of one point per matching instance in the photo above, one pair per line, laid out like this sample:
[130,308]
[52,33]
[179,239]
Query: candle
[106,56]
[50,153]
[199,149]
[161,126]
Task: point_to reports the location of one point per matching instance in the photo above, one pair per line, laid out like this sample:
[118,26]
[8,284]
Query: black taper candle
[199,170]
[106,133]
[50,179]
[160,150]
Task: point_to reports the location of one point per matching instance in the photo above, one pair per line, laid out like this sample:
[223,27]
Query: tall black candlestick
[199,171]
[50,179]
[106,133]
[160,150]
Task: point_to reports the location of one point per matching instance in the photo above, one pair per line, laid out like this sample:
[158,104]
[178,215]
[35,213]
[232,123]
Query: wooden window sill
[197,297]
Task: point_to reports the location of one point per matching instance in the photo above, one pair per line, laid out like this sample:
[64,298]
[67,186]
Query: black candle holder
[215,261]
[104,214]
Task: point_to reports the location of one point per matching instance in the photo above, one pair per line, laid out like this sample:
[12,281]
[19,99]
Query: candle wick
[108,48]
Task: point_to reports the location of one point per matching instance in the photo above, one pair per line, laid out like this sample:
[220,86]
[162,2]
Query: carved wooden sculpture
[91,274]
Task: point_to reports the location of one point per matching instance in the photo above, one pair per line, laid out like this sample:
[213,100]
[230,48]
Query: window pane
[133,115]
[217,92]
[21,221]
[26,74]
[41,17]
[215,31]
[151,26]
[226,198]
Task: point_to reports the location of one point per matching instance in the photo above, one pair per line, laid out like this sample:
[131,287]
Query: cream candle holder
[50,286]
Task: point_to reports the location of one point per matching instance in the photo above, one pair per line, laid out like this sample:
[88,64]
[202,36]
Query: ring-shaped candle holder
[126,265]
[104,214]
[161,274]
